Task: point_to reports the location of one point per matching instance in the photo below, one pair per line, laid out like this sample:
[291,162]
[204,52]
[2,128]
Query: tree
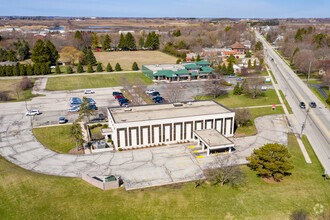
[214,88]
[261,61]
[299,215]
[174,92]
[141,42]
[90,68]
[242,117]
[129,41]
[25,83]
[226,171]
[178,61]
[254,63]
[231,59]
[95,41]
[22,70]
[118,67]
[51,52]
[90,58]
[135,66]
[85,109]
[198,58]
[224,69]
[71,54]
[80,68]
[109,68]
[57,69]
[106,43]
[237,89]
[77,35]
[38,53]
[268,38]
[252,86]
[249,63]
[11,56]
[23,49]
[258,46]
[319,39]
[271,161]
[248,54]
[177,33]
[122,43]
[69,70]
[99,67]
[152,41]
[193,59]
[76,134]
[230,69]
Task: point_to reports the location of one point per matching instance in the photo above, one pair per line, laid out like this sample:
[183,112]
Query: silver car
[32,113]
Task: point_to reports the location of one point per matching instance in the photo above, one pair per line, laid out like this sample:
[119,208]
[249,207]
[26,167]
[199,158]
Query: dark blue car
[157,99]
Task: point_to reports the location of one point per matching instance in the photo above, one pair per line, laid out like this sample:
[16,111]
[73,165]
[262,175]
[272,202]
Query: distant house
[8,63]
[237,68]
[211,52]
[238,48]
[321,72]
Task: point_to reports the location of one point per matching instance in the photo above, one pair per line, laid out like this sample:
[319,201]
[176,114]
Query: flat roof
[213,138]
[165,111]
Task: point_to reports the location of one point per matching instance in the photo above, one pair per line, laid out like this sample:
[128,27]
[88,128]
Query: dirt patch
[76,152]
[271,180]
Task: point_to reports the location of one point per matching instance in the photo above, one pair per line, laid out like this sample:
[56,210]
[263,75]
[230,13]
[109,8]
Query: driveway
[138,168]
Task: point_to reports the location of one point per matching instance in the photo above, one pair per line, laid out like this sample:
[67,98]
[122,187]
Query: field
[286,102]
[55,138]
[95,81]
[127,58]
[256,112]
[8,86]
[234,101]
[28,195]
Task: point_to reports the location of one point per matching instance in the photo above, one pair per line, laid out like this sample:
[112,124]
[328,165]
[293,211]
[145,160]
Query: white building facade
[152,125]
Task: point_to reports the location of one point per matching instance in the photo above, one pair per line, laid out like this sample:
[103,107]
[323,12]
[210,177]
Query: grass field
[55,138]
[286,102]
[127,58]
[234,101]
[319,96]
[8,86]
[257,112]
[271,73]
[28,195]
[95,81]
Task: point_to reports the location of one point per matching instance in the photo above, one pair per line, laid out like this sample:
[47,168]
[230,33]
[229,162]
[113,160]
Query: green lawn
[95,81]
[271,73]
[313,81]
[234,101]
[257,112]
[28,195]
[8,86]
[55,138]
[286,102]
[319,96]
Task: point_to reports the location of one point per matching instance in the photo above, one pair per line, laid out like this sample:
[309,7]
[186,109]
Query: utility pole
[309,71]
[304,124]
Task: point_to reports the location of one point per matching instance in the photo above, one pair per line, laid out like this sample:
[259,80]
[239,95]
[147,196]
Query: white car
[149,91]
[89,91]
[32,113]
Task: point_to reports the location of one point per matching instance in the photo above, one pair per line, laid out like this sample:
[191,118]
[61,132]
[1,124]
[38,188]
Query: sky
[168,8]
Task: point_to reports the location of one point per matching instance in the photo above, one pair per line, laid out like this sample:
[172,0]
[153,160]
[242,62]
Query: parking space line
[179,163]
[195,151]
[135,180]
[148,180]
[191,147]
[200,156]
[159,178]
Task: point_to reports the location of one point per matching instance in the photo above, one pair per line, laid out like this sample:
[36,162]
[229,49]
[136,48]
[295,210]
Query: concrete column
[208,151]
[208,77]
[198,78]
[178,78]
[199,142]
[189,78]
[203,146]
[158,78]
[229,150]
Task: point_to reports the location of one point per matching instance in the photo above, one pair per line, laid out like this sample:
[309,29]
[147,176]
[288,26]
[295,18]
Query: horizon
[208,9]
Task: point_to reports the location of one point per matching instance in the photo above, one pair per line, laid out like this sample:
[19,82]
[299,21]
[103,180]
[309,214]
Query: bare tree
[214,88]
[242,116]
[253,87]
[225,170]
[174,92]
[17,89]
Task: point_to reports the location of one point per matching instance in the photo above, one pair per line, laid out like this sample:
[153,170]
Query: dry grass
[127,58]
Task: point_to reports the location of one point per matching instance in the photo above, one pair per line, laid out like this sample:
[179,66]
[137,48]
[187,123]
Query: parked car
[99,118]
[32,113]
[91,101]
[74,109]
[302,105]
[75,101]
[155,94]
[117,93]
[92,107]
[119,96]
[62,120]
[122,101]
[149,91]
[157,99]
[239,78]
[312,104]
[89,91]
[232,76]
[124,104]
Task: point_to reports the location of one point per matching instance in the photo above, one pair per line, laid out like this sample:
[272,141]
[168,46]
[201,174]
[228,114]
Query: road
[317,119]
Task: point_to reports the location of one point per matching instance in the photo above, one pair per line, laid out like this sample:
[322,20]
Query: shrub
[90,68]
[237,89]
[110,140]
[105,126]
[99,67]
[69,70]
[80,68]
[118,67]
[4,96]
[25,84]
[109,68]
[135,66]
[98,125]
[328,99]
[224,83]
[120,149]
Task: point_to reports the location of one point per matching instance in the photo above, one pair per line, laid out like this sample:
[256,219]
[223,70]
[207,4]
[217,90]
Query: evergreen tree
[69,70]
[77,35]
[106,43]
[42,70]
[11,55]
[237,89]
[80,68]
[90,68]
[248,54]
[261,61]
[249,63]
[141,42]
[9,70]
[95,41]
[29,70]
[258,46]
[51,52]
[1,71]
[178,61]
[244,86]
[152,41]
[22,70]
[254,63]
[99,67]
[193,59]
[36,69]
[122,43]
[129,42]
[224,69]
[230,68]
[109,68]
[16,70]
[118,67]
[198,58]
[135,66]
[90,58]
[57,69]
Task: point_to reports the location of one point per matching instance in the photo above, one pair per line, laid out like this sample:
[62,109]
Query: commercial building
[186,71]
[152,125]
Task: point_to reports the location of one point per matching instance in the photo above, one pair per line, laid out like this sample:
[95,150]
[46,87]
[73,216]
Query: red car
[119,96]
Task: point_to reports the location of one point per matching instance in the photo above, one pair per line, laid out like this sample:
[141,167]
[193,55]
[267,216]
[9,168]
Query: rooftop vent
[177,104]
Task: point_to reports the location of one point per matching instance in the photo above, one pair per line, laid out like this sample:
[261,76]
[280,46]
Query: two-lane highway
[318,119]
